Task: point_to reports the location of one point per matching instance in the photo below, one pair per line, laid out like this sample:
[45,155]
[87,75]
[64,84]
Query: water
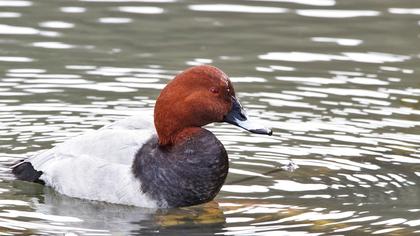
[337,81]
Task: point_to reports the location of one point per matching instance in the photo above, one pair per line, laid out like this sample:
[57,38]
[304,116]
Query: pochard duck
[173,163]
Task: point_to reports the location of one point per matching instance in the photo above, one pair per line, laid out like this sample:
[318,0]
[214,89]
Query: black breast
[183,175]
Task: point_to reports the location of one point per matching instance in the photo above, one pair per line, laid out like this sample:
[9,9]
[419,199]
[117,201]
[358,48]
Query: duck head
[196,97]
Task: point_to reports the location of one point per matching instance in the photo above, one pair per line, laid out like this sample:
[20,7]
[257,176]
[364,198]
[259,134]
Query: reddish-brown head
[196,97]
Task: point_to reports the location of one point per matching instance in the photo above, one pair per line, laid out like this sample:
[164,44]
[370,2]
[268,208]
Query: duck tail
[25,171]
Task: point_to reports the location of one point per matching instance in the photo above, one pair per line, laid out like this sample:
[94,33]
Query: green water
[337,81]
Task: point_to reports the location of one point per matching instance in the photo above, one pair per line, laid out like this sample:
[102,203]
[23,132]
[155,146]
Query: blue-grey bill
[253,127]
[237,116]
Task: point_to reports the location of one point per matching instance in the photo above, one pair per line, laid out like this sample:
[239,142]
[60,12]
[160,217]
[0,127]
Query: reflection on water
[337,85]
[336,13]
[370,57]
[236,8]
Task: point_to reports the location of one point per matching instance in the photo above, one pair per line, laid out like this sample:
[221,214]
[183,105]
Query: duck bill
[237,116]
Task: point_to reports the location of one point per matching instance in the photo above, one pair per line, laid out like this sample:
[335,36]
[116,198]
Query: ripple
[73,9]
[13,3]
[151,1]
[6,202]
[292,186]
[17,225]
[348,92]
[59,81]
[314,216]
[120,71]
[245,172]
[306,94]
[375,57]
[247,79]
[114,20]
[230,220]
[199,61]
[36,215]
[136,80]
[107,87]
[413,223]
[366,81]
[409,100]
[236,8]
[339,41]
[37,74]
[244,188]
[412,11]
[52,45]
[304,2]
[299,56]
[323,13]
[18,30]
[39,82]
[80,67]
[282,103]
[370,57]
[309,196]
[57,24]
[10,14]
[9,29]
[26,70]
[310,80]
[16,59]
[347,229]
[390,68]
[385,231]
[273,68]
[142,10]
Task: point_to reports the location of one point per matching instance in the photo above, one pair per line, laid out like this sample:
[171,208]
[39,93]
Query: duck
[165,161]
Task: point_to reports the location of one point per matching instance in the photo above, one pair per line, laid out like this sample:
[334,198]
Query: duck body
[123,163]
[171,162]
[96,165]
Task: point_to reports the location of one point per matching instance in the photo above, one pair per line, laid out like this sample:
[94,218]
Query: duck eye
[214,90]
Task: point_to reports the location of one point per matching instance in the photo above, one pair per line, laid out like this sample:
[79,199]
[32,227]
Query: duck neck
[173,121]
[186,134]
[178,136]
[171,129]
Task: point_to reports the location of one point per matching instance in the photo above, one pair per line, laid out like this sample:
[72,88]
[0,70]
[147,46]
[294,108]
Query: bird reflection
[123,219]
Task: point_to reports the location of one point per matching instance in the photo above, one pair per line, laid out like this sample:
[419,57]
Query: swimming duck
[171,163]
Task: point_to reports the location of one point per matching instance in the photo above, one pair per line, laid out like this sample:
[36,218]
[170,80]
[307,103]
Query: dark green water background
[337,80]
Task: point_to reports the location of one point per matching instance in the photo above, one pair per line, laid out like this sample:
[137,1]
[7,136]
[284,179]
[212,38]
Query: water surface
[337,80]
